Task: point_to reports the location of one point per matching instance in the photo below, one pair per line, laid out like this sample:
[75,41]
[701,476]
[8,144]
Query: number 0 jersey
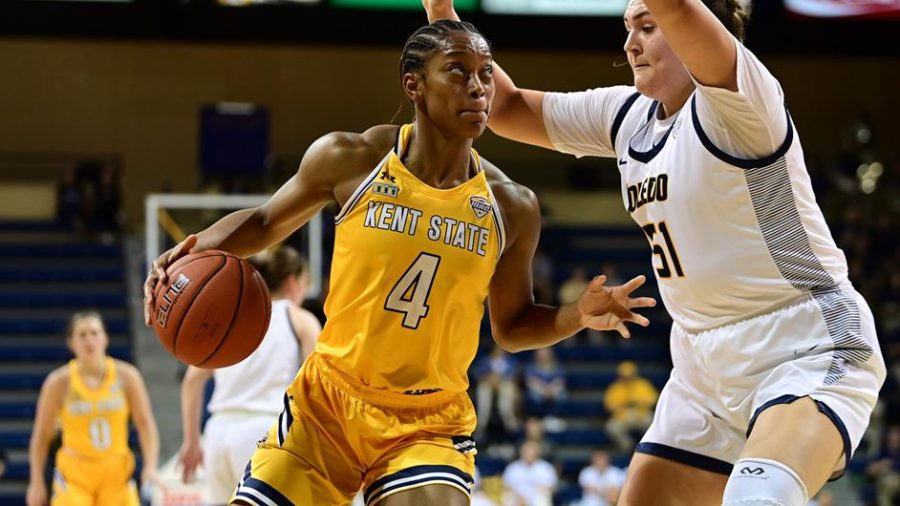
[95,421]
[411,269]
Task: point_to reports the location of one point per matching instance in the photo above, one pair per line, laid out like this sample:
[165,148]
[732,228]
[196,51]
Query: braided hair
[731,13]
[425,40]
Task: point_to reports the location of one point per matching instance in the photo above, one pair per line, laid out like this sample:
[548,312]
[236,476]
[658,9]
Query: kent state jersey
[95,421]
[410,274]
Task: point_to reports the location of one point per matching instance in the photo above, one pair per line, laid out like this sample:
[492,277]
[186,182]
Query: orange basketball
[213,310]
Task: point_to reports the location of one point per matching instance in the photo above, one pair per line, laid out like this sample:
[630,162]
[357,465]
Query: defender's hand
[439,9]
[608,308]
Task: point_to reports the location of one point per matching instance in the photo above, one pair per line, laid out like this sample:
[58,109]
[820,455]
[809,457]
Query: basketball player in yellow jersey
[427,231]
[92,397]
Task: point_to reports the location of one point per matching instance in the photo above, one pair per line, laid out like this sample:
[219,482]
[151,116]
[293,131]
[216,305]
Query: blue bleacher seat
[17,410]
[490,466]
[580,437]
[573,466]
[54,325]
[13,381]
[54,273]
[16,471]
[53,353]
[593,380]
[55,250]
[62,299]
[567,494]
[14,438]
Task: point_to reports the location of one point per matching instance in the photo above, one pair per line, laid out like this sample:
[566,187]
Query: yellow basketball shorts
[336,436]
[82,481]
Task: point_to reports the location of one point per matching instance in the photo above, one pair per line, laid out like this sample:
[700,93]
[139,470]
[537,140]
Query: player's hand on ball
[609,307]
[157,273]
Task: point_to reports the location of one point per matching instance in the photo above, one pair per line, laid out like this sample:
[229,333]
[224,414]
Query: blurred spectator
[108,216]
[885,469]
[611,271]
[89,200]
[529,481]
[70,201]
[478,496]
[572,287]
[4,459]
[545,382]
[600,482]
[629,400]
[534,433]
[542,273]
[496,375]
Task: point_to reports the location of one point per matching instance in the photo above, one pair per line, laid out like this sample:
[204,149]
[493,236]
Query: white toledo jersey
[730,236]
[257,383]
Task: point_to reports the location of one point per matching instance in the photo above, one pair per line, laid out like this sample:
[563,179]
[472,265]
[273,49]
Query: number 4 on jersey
[410,295]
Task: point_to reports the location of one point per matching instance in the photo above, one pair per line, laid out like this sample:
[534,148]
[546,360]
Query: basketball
[213,310]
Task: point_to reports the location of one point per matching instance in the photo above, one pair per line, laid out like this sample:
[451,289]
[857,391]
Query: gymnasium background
[136,89]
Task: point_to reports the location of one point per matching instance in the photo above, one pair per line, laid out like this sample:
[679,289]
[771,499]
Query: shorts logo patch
[480,206]
[464,444]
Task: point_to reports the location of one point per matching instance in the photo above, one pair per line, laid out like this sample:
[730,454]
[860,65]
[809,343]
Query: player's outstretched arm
[191,453]
[699,40]
[249,231]
[50,402]
[144,422]
[516,321]
[516,113]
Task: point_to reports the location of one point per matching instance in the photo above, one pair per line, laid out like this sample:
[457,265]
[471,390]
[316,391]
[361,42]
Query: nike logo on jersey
[805,352]
[622,161]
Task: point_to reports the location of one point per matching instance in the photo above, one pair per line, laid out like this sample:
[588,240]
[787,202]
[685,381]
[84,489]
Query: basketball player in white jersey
[242,410]
[776,362]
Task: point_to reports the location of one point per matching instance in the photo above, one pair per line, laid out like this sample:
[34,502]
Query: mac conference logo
[480,206]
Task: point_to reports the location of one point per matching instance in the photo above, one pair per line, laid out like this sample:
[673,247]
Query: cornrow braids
[426,39]
[734,14]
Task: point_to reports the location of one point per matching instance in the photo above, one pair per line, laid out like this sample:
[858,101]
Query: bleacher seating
[46,275]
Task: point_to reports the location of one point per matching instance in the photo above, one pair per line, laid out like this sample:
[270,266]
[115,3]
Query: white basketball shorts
[229,441]
[822,345]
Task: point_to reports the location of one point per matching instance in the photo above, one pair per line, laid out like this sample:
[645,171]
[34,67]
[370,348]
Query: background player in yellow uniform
[92,397]
[426,232]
